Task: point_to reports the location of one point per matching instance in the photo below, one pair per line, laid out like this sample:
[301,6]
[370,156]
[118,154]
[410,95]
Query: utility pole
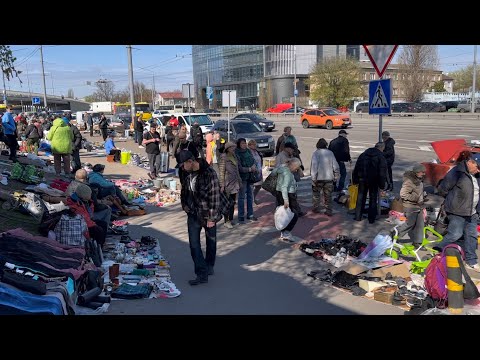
[208,84]
[130,81]
[153,92]
[43,75]
[295,80]
[474,77]
[4,90]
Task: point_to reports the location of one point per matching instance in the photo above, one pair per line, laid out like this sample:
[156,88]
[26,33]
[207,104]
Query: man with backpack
[462,204]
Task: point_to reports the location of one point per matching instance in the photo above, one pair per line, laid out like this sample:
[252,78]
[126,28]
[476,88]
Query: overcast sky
[71,66]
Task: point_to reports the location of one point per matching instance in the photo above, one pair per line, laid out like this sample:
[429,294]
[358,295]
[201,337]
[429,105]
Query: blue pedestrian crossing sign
[380,97]
[35,101]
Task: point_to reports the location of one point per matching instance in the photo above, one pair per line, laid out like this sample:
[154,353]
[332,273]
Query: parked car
[449,104]
[427,107]
[212,112]
[278,108]
[447,152]
[248,130]
[265,124]
[403,108]
[466,106]
[362,107]
[300,110]
[326,117]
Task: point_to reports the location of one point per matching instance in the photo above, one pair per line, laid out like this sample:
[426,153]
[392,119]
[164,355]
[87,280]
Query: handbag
[270,184]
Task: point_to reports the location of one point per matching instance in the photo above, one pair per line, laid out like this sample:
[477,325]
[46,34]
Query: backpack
[436,275]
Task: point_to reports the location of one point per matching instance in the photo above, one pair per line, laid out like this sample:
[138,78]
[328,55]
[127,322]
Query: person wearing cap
[151,141]
[325,172]
[370,173]
[200,198]
[460,187]
[183,144]
[33,134]
[389,154]
[341,149]
[229,177]
[110,148]
[105,187]
[80,203]
[413,196]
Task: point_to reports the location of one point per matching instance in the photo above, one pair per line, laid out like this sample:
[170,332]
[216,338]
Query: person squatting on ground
[413,197]
[325,172]
[151,141]
[462,204]
[257,156]
[200,197]
[287,193]
[341,149]
[230,180]
[61,139]
[247,169]
[370,173]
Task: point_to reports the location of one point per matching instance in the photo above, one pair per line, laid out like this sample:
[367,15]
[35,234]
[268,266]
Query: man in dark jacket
[370,173]
[200,198]
[197,137]
[341,149]
[77,145]
[139,130]
[103,126]
[89,121]
[389,154]
[461,188]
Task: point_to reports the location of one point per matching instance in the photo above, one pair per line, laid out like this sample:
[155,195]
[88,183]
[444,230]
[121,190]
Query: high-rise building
[357,52]
[262,75]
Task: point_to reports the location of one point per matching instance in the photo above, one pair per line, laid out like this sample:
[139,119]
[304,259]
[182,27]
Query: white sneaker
[167,289]
[475,267]
[141,147]
[287,236]
[228,225]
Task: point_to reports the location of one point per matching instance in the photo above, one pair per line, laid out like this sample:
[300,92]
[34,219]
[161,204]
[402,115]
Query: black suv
[248,130]
[265,124]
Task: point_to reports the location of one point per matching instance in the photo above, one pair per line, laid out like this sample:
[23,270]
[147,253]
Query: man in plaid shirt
[201,201]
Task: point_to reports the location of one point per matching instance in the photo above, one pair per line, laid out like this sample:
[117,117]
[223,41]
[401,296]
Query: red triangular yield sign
[380,56]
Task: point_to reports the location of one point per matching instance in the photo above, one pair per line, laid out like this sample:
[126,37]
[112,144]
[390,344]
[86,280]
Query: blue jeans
[466,226]
[343,176]
[103,215]
[246,188]
[201,263]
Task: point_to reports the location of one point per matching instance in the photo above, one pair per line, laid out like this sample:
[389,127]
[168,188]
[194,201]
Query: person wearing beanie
[413,197]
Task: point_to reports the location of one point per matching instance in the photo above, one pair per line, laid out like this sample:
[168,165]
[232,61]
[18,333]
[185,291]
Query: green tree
[7,61]
[416,63]
[335,81]
[463,79]
[439,86]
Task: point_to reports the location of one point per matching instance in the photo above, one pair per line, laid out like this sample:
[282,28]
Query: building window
[372,76]
[364,76]
[395,92]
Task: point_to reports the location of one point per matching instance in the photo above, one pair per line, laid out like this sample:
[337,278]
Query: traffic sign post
[35,101]
[380,100]
[229,98]
[380,56]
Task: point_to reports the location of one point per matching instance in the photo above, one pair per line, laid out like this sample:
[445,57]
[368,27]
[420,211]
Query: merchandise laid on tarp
[136,269]
[159,192]
[366,270]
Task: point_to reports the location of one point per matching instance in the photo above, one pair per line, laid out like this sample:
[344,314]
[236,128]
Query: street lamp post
[295,93]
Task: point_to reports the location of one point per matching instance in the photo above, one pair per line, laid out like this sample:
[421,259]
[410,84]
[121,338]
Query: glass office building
[241,68]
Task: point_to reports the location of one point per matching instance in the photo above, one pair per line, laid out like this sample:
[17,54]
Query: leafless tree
[417,63]
[105,90]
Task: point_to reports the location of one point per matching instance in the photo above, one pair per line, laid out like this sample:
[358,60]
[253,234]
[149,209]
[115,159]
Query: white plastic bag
[282,217]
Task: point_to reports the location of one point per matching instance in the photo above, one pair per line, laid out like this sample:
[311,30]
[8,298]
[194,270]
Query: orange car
[326,117]
[447,152]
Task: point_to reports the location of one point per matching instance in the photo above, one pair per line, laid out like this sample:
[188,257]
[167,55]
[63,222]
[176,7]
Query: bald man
[102,212]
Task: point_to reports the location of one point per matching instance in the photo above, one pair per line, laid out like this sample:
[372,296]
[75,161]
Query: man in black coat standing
[89,121]
[341,149]
[389,154]
[370,173]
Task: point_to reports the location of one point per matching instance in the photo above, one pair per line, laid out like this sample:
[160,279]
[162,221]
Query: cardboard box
[384,294]
[370,285]
[396,270]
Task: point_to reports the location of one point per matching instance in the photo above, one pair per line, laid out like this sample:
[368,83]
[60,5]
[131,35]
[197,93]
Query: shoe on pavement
[228,225]
[141,147]
[300,214]
[252,218]
[241,221]
[210,271]
[475,267]
[256,202]
[198,280]
[287,236]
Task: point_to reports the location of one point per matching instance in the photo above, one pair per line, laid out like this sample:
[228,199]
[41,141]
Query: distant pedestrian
[151,141]
[77,145]
[341,149]
[389,154]
[230,180]
[139,128]
[33,135]
[103,125]
[252,145]
[9,129]
[247,169]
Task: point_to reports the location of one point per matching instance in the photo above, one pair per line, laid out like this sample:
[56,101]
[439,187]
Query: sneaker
[167,289]
[287,236]
[228,225]
[141,147]
[252,218]
[198,280]
[475,267]
[241,221]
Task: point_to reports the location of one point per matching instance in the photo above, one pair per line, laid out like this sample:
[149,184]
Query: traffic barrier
[453,259]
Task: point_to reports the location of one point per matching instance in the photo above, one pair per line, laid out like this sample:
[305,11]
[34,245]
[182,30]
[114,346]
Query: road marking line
[425,148]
